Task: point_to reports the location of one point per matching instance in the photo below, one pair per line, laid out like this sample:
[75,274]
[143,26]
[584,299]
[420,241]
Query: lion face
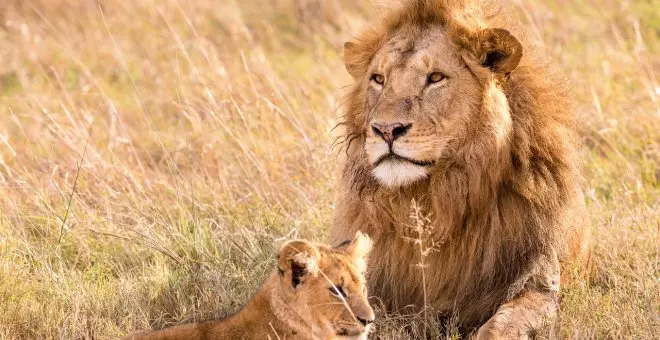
[421,98]
[329,284]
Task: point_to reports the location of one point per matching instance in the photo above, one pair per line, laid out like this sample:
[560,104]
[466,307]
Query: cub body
[317,292]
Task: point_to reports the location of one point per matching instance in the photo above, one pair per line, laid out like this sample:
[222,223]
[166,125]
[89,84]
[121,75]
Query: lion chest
[403,276]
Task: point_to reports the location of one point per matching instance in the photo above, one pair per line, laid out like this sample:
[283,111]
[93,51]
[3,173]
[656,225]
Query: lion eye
[435,77]
[378,78]
[337,291]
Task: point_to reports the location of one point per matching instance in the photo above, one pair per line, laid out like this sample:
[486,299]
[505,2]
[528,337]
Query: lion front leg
[520,317]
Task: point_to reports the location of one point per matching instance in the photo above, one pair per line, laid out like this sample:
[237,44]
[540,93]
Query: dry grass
[154,153]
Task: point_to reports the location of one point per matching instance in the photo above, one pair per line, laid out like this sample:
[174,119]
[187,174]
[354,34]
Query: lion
[317,292]
[448,111]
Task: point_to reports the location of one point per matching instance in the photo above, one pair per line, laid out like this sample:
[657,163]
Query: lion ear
[498,50]
[355,59]
[298,259]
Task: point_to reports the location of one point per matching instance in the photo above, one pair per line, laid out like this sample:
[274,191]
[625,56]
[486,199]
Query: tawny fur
[295,302]
[503,195]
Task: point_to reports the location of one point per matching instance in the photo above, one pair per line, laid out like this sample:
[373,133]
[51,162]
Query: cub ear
[358,248]
[498,50]
[355,59]
[297,260]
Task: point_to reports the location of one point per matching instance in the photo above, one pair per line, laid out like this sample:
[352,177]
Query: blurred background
[155,153]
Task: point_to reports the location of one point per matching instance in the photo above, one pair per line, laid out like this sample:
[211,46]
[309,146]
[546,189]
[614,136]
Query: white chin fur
[394,174]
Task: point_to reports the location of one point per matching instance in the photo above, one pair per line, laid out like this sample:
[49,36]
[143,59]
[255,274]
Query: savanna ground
[154,154]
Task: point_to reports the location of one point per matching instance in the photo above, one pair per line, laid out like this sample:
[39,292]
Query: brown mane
[497,211]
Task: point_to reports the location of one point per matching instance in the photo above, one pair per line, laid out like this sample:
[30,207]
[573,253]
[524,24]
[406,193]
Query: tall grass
[154,154]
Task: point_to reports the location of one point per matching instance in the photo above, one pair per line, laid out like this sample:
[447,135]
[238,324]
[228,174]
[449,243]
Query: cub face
[329,284]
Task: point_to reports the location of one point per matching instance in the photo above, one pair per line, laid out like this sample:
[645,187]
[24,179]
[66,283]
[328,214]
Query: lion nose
[390,132]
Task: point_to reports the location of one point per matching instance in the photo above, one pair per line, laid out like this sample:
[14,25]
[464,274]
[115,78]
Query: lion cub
[317,292]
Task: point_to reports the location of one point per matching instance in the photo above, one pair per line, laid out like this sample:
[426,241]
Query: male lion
[317,292]
[449,112]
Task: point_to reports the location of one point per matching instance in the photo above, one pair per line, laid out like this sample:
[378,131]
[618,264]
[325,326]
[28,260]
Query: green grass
[208,132]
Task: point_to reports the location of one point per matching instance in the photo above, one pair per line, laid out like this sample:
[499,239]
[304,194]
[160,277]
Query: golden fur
[486,149]
[317,292]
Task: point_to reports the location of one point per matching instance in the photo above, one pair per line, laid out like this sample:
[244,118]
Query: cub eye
[337,291]
[378,78]
[435,77]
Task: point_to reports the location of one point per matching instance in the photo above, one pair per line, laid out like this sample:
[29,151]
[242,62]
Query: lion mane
[502,211]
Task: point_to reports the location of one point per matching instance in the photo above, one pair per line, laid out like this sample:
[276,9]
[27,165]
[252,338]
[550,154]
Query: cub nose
[366,316]
[365,322]
[390,132]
